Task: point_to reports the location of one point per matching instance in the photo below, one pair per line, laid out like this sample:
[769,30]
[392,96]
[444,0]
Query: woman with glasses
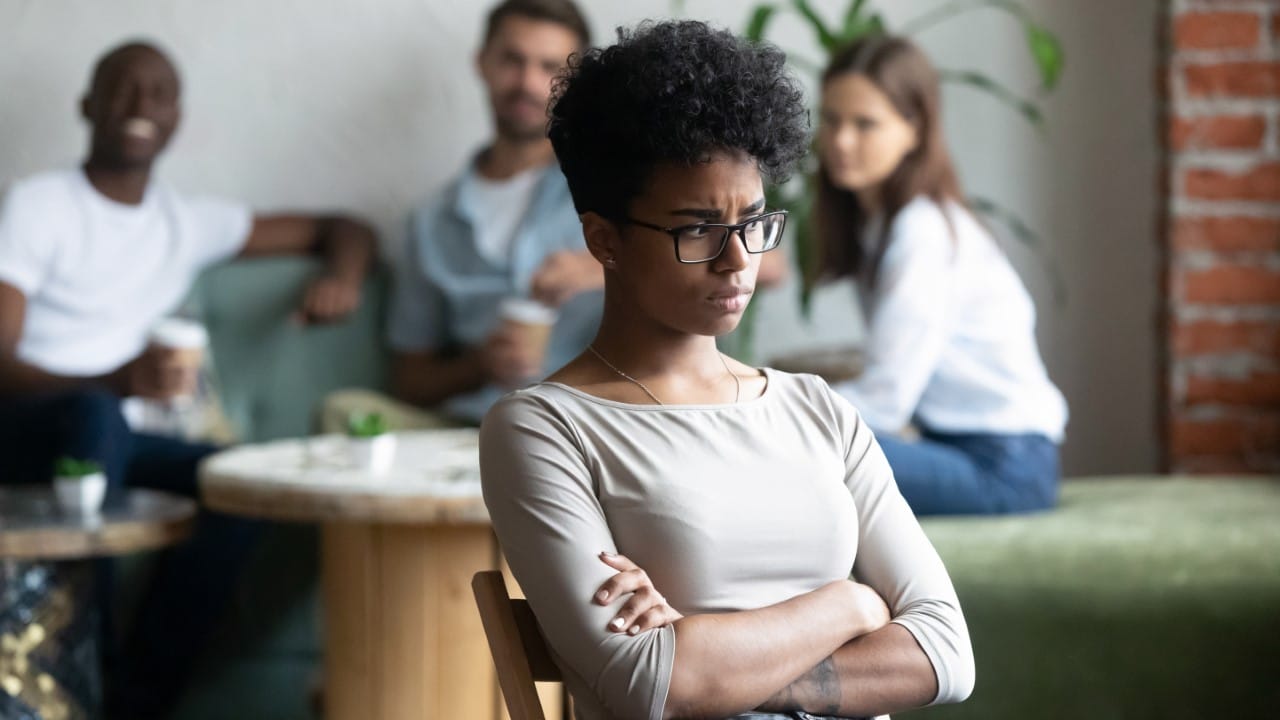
[686,526]
[950,329]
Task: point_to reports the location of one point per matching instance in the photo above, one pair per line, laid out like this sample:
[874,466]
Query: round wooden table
[402,636]
[48,625]
[32,527]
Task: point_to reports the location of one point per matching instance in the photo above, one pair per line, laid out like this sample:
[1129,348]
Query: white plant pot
[81,496]
[374,454]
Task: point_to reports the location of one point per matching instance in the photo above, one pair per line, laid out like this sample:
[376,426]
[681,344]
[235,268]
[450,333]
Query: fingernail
[606,553]
[616,624]
[633,630]
[602,595]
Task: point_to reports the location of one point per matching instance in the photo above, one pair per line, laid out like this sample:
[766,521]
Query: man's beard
[511,129]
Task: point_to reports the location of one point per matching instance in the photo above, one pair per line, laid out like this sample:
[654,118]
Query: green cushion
[1136,598]
[272,371]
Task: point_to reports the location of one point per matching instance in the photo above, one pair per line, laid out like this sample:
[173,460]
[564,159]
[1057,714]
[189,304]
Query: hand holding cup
[170,365]
[515,354]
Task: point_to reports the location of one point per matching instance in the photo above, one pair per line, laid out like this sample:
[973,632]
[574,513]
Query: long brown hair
[903,73]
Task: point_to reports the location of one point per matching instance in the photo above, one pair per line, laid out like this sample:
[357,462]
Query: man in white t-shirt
[90,259]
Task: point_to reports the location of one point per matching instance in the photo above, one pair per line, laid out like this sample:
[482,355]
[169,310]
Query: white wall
[369,106]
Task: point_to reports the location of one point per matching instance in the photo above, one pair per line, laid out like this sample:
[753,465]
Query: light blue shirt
[447,293]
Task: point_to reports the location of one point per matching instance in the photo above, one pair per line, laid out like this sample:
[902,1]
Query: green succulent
[367,425]
[70,467]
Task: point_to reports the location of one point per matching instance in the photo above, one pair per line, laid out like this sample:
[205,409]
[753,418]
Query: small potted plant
[80,486]
[373,447]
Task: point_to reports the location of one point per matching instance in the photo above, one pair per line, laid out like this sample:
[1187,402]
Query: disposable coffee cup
[531,320]
[188,339]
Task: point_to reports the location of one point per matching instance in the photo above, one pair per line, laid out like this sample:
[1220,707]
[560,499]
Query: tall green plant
[860,19]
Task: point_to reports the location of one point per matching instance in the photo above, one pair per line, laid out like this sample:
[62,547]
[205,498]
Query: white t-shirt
[951,334]
[96,273]
[505,202]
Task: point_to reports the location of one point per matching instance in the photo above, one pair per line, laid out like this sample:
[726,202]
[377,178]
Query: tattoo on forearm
[817,691]
[826,683]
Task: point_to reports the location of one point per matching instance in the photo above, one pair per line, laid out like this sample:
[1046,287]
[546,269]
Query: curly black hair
[671,92]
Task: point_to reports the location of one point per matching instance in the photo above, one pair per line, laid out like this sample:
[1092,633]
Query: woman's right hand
[645,609]
[871,610]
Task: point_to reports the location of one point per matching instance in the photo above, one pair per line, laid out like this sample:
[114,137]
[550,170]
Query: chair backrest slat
[519,652]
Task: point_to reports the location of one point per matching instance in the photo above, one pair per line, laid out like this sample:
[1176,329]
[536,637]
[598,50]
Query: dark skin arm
[881,672]
[155,373]
[428,378]
[346,245]
[729,663]
[723,660]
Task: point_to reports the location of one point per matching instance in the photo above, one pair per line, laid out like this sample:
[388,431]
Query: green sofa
[1136,598]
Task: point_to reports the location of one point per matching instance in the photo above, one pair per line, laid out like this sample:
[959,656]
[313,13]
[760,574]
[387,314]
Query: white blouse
[951,334]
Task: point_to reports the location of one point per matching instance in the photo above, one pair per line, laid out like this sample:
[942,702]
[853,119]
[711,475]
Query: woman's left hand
[645,609]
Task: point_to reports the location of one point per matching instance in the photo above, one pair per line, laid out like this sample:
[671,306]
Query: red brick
[1251,78]
[1236,435]
[1226,234]
[1217,30]
[1260,182]
[1231,283]
[1209,337]
[1260,389]
[1227,132]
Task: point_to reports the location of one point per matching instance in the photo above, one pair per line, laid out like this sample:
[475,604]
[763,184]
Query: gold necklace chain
[737,382]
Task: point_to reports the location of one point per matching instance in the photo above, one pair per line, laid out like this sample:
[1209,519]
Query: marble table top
[434,479]
[33,527]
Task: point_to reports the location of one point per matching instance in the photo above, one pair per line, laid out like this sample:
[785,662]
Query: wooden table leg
[403,639]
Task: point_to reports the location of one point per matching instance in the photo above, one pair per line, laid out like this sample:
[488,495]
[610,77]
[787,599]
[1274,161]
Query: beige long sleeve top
[726,507]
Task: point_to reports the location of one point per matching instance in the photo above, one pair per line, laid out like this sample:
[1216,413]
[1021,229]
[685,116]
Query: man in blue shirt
[505,228]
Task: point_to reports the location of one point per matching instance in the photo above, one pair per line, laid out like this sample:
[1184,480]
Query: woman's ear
[602,239]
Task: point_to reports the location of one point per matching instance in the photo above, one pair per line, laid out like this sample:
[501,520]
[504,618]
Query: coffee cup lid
[180,333]
[523,310]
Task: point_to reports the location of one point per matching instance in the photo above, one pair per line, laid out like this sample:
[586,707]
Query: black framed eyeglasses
[704,242]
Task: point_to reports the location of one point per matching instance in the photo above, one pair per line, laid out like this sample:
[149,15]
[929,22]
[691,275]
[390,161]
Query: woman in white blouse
[950,328]
[699,538]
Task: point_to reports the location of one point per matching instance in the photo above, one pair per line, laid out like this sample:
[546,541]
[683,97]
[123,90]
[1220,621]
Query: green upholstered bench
[272,370]
[1139,597]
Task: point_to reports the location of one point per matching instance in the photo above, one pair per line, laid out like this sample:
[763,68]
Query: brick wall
[1221,235]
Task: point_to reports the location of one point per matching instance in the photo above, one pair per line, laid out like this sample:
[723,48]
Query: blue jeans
[974,473]
[193,582]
